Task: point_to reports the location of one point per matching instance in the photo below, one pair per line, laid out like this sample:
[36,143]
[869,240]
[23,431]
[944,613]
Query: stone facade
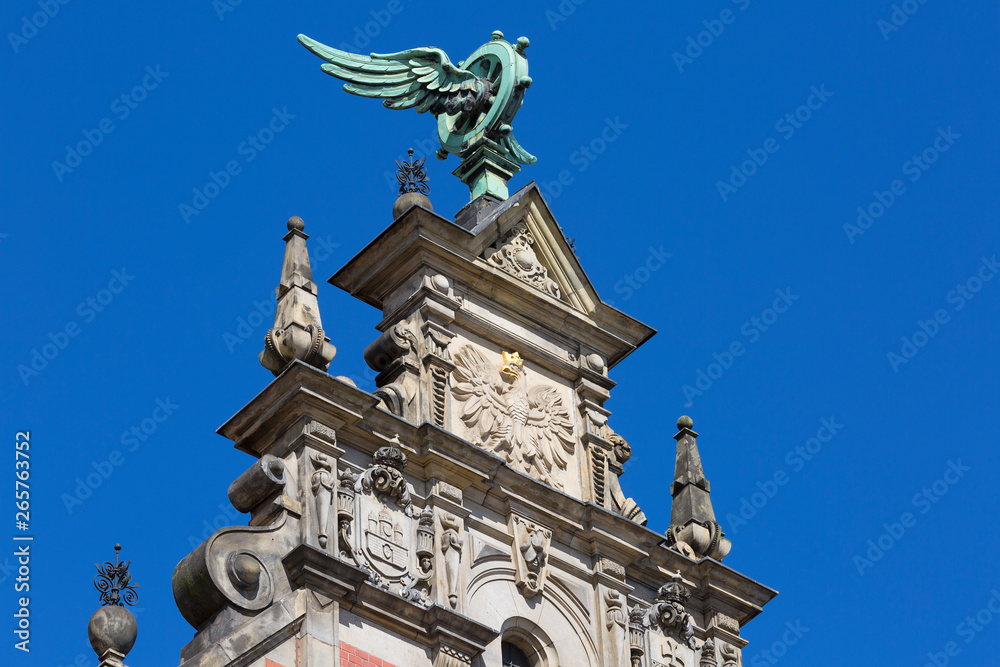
[473,500]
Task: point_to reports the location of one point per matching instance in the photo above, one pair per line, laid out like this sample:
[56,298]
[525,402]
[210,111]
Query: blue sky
[837,163]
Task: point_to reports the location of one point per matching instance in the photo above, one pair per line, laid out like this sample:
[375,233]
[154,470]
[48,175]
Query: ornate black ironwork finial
[412,176]
[115,583]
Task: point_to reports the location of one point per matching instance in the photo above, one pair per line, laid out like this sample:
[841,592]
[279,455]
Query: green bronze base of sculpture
[486,171]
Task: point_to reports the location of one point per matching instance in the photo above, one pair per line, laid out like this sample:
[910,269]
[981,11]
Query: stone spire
[693,531]
[297,332]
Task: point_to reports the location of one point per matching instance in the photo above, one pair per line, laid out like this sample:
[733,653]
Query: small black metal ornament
[412,176]
[115,583]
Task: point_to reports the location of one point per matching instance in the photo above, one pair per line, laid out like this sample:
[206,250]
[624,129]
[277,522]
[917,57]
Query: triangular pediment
[463,261]
[522,238]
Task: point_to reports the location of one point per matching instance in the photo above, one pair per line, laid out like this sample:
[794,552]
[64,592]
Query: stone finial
[298,331]
[112,629]
[693,531]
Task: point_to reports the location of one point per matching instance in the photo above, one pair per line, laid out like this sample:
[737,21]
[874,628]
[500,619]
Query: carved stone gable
[514,254]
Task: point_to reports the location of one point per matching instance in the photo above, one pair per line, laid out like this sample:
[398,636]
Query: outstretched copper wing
[478,385]
[421,78]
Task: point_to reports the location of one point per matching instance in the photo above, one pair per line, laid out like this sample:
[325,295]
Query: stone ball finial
[496,36]
[296,224]
[405,201]
[112,628]
[684,422]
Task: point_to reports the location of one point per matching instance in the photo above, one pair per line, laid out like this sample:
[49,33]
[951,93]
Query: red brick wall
[355,657]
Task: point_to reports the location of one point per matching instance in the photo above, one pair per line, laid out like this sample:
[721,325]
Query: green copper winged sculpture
[475,101]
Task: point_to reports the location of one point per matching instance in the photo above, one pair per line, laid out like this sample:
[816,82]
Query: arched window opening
[513,656]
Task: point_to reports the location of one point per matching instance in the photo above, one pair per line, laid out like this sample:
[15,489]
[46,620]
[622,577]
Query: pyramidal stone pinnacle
[298,331]
[693,531]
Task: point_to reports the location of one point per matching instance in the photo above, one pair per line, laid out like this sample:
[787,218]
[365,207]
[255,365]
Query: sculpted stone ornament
[298,330]
[708,654]
[614,622]
[669,612]
[617,501]
[637,635]
[322,488]
[385,477]
[672,654]
[531,553]
[451,547]
[530,428]
[513,254]
[345,515]
[730,655]
[474,102]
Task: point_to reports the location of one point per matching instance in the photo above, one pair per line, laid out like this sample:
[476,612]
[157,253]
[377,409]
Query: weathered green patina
[475,101]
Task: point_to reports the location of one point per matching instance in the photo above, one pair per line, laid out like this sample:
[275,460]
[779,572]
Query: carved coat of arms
[530,428]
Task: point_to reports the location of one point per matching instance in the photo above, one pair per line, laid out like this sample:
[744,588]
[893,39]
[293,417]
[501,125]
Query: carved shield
[386,538]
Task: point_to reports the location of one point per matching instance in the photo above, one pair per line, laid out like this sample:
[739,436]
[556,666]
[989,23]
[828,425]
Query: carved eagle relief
[530,428]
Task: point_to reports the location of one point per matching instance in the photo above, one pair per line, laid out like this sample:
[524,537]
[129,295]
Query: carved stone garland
[513,254]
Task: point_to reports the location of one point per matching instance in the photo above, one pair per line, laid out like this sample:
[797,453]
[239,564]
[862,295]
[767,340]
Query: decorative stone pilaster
[438,368]
[322,491]
[345,516]
[451,549]
[637,635]
[708,658]
[615,632]
[730,655]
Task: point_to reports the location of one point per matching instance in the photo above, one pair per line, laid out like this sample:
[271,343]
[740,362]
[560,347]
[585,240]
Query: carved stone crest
[386,545]
[531,554]
[385,477]
[513,254]
[530,428]
[393,542]
[669,613]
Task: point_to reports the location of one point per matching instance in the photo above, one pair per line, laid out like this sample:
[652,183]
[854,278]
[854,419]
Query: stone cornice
[303,393]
